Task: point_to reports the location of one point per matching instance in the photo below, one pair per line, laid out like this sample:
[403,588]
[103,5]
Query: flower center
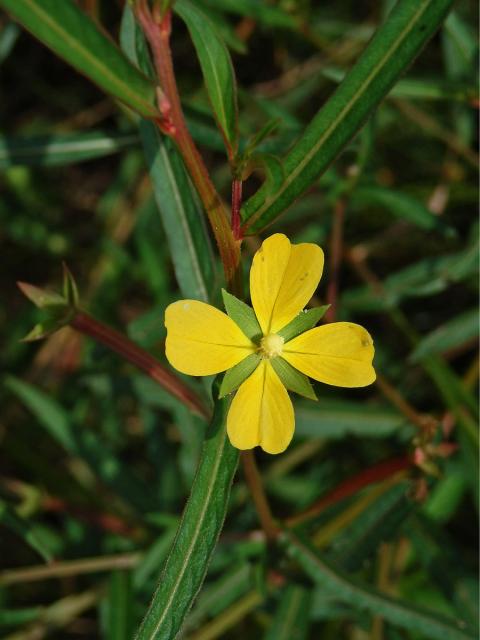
[271,345]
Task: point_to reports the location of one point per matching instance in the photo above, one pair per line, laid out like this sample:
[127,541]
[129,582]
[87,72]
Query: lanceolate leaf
[452,334]
[65,29]
[196,538]
[186,232]
[305,320]
[217,70]
[243,315]
[63,149]
[395,45]
[400,205]
[427,624]
[187,235]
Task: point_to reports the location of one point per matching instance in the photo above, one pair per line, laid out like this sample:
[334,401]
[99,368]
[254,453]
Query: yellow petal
[201,340]
[261,413]
[283,278]
[339,354]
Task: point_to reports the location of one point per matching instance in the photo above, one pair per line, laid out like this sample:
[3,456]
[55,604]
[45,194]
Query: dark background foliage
[96,461]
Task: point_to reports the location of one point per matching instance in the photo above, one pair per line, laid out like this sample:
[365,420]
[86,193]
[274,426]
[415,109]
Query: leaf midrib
[197,531]
[55,26]
[348,107]
[196,269]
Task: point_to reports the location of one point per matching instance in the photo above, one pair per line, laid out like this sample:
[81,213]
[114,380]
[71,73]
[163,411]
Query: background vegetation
[97,461]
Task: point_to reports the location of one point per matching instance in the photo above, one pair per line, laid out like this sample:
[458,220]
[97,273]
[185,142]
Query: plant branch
[254,482]
[377,473]
[157,30]
[119,343]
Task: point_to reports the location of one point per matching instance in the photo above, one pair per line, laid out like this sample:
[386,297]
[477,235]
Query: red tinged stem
[236,205]
[377,473]
[128,350]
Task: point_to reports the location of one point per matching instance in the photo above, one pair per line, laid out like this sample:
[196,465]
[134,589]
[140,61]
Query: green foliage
[197,535]
[217,71]
[112,477]
[70,34]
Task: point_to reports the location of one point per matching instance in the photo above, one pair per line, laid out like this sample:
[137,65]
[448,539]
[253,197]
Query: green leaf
[197,535]
[184,224]
[70,289]
[243,315]
[424,278]
[454,333]
[292,617]
[217,596]
[393,48]
[234,377]
[119,606]
[379,522]
[65,29]
[217,70]
[420,621]
[46,327]
[337,419]
[82,443]
[293,379]
[63,149]
[305,320]
[401,205]
[418,88]
[262,12]
[24,529]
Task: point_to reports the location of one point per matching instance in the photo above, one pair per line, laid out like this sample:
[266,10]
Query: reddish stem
[236,205]
[336,251]
[119,343]
[377,473]
[157,31]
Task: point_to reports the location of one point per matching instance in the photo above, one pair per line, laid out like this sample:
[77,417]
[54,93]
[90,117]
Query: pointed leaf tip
[41,298]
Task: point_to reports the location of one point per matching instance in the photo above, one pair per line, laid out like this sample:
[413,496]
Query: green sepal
[41,298]
[243,315]
[45,328]
[293,379]
[305,320]
[59,309]
[70,289]
[234,377]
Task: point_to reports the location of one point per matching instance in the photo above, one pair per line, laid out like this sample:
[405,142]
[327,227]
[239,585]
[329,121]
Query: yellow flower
[201,340]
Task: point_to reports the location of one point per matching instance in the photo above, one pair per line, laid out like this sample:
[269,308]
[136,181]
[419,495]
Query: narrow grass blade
[197,535]
[428,624]
[395,45]
[63,149]
[24,529]
[291,620]
[65,29]
[454,333]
